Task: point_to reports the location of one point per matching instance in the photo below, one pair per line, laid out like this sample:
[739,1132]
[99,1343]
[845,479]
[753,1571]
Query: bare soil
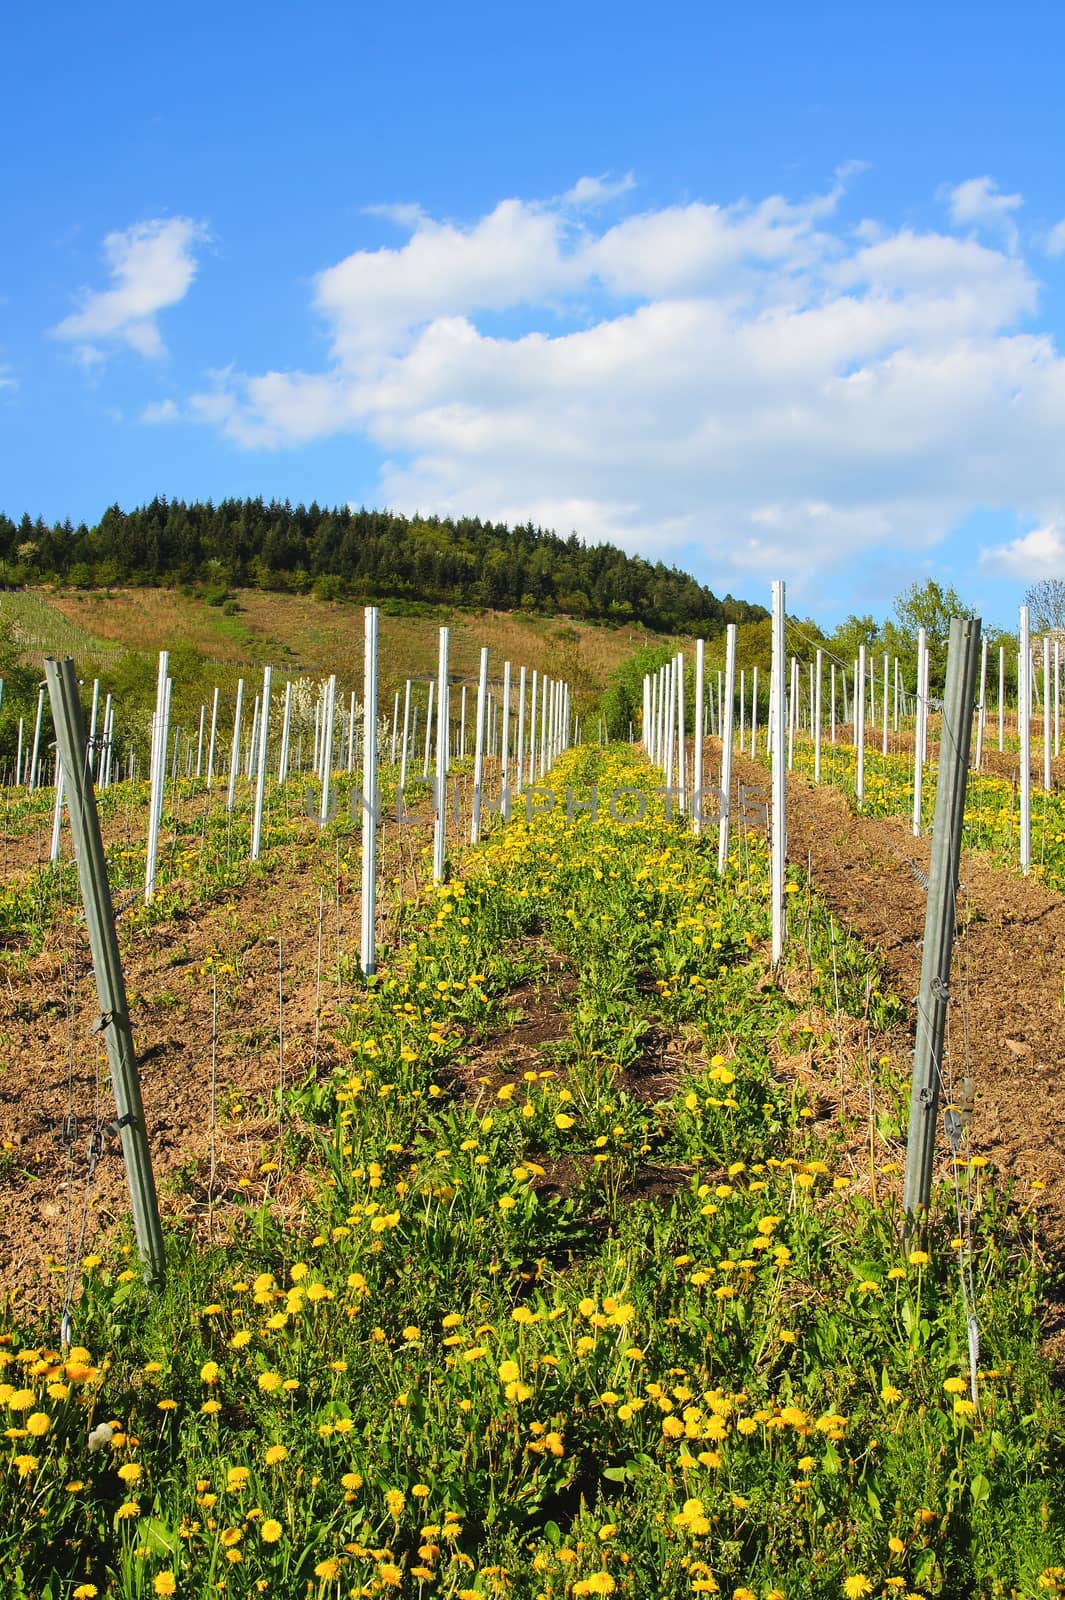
[1006,1025]
[214,1039]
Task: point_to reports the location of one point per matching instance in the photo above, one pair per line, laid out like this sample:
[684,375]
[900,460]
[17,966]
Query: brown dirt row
[1006,1022]
[52,1067]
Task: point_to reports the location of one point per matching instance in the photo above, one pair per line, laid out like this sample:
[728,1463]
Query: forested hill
[372,555]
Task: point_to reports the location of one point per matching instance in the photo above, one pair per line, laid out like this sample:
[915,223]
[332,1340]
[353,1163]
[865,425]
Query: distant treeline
[372,555]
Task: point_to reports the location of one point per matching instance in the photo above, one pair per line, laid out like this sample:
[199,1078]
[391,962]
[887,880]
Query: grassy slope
[311,635]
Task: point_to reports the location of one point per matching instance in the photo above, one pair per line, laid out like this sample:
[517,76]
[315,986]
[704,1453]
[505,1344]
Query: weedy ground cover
[487,1361]
[992,810]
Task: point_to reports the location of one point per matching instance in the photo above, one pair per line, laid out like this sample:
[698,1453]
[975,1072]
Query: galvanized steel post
[110,986]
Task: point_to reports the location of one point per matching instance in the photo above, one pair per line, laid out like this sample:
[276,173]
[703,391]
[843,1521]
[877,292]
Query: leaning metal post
[110,985]
[954,742]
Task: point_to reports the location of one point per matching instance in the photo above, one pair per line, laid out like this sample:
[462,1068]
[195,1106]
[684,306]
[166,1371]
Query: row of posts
[526,737]
[543,727]
[664,738]
[725,713]
[664,741]
[666,747]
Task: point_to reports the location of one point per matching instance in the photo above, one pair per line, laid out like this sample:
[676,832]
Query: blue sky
[765,291]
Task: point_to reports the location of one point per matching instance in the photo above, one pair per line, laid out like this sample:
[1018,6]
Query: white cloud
[1055,245]
[592,192]
[402,213]
[1037,554]
[698,248]
[754,380]
[7,376]
[160,411]
[978,203]
[152,266]
[374,299]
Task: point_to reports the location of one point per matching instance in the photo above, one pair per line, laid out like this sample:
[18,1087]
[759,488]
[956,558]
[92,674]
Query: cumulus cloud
[376,299]
[1040,553]
[752,385]
[151,266]
[978,203]
[1055,245]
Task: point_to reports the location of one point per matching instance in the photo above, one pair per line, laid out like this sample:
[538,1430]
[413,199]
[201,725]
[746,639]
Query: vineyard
[562,1254]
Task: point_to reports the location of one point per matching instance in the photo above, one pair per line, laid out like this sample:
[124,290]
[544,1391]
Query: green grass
[41,629]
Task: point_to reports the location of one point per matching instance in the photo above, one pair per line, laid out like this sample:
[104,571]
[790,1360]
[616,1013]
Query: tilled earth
[227,1001]
[1007,1011]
